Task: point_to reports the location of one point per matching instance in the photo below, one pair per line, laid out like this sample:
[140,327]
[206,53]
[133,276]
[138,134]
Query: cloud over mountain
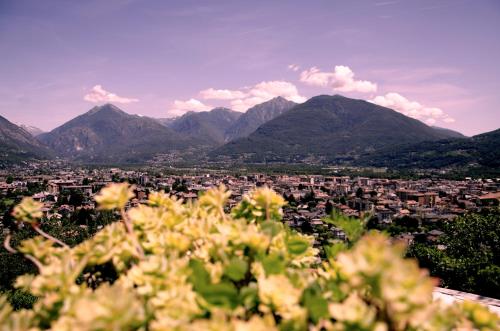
[340,79]
[412,108]
[99,95]
[180,106]
[243,99]
[221,94]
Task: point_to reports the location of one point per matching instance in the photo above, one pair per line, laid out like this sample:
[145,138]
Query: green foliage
[315,303]
[471,258]
[14,265]
[20,299]
[179,186]
[194,267]
[236,269]
[354,228]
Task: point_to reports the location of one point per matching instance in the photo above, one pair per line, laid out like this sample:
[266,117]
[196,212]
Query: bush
[194,267]
[470,258]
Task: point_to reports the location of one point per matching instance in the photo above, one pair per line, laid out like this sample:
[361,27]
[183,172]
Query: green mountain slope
[16,144]
[256,116]
[327,128]
[106,134]
[448,132]
[209,126]
[478,151]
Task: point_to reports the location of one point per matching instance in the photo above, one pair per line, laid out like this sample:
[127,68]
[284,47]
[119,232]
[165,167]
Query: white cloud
[180,107]
[315,77]
[430,121]
[98,95]
[221,94]
[241,100]
[265,91]
[272,89]
[341,79]
[293,67]
[412,109]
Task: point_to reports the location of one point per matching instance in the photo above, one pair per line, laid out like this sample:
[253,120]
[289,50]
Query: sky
[436,60]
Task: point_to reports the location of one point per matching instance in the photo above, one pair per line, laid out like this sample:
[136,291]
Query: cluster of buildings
[311,197]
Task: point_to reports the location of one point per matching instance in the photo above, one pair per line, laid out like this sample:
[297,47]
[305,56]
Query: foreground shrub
[193,266]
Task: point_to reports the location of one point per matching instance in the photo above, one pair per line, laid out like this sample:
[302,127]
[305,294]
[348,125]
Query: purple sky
[435,60]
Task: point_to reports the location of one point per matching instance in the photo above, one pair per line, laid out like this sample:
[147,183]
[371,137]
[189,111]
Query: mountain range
[254,117]
[328,128]
[210,126]
[106,134]
[324,129]
[478,151]
[33,130]
[17,144]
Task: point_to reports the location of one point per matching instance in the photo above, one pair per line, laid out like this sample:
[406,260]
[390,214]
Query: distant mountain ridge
[17,144]
[478,151]
[328,128]
[325,129]
[450,133]
[209,126]
[254,117]
[33,130]
[107,134]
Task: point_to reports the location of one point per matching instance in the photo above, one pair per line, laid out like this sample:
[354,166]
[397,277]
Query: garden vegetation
[169,265]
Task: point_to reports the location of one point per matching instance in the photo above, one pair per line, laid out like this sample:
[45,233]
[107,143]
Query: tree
[290,199]
[411,224]
[328,207]
[9,179]
[179,186]
[309,197]
[76,198]
[115,178]
[373,223]
[471,259]
[359,192]
[82,216]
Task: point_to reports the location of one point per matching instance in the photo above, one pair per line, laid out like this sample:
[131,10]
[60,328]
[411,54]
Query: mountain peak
[106,108]
[209,125]
[258,115]
[276,100]
[17,144]
[108,134]
[221,109]
[329,128]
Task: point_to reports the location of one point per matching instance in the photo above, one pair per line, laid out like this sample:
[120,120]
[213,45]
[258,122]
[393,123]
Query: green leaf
[271,228]
[333,250]
[223,294]
[297,245]
[249,295]
[353,228]
[315,303]
[200,278]
[273,264]
[236,269]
